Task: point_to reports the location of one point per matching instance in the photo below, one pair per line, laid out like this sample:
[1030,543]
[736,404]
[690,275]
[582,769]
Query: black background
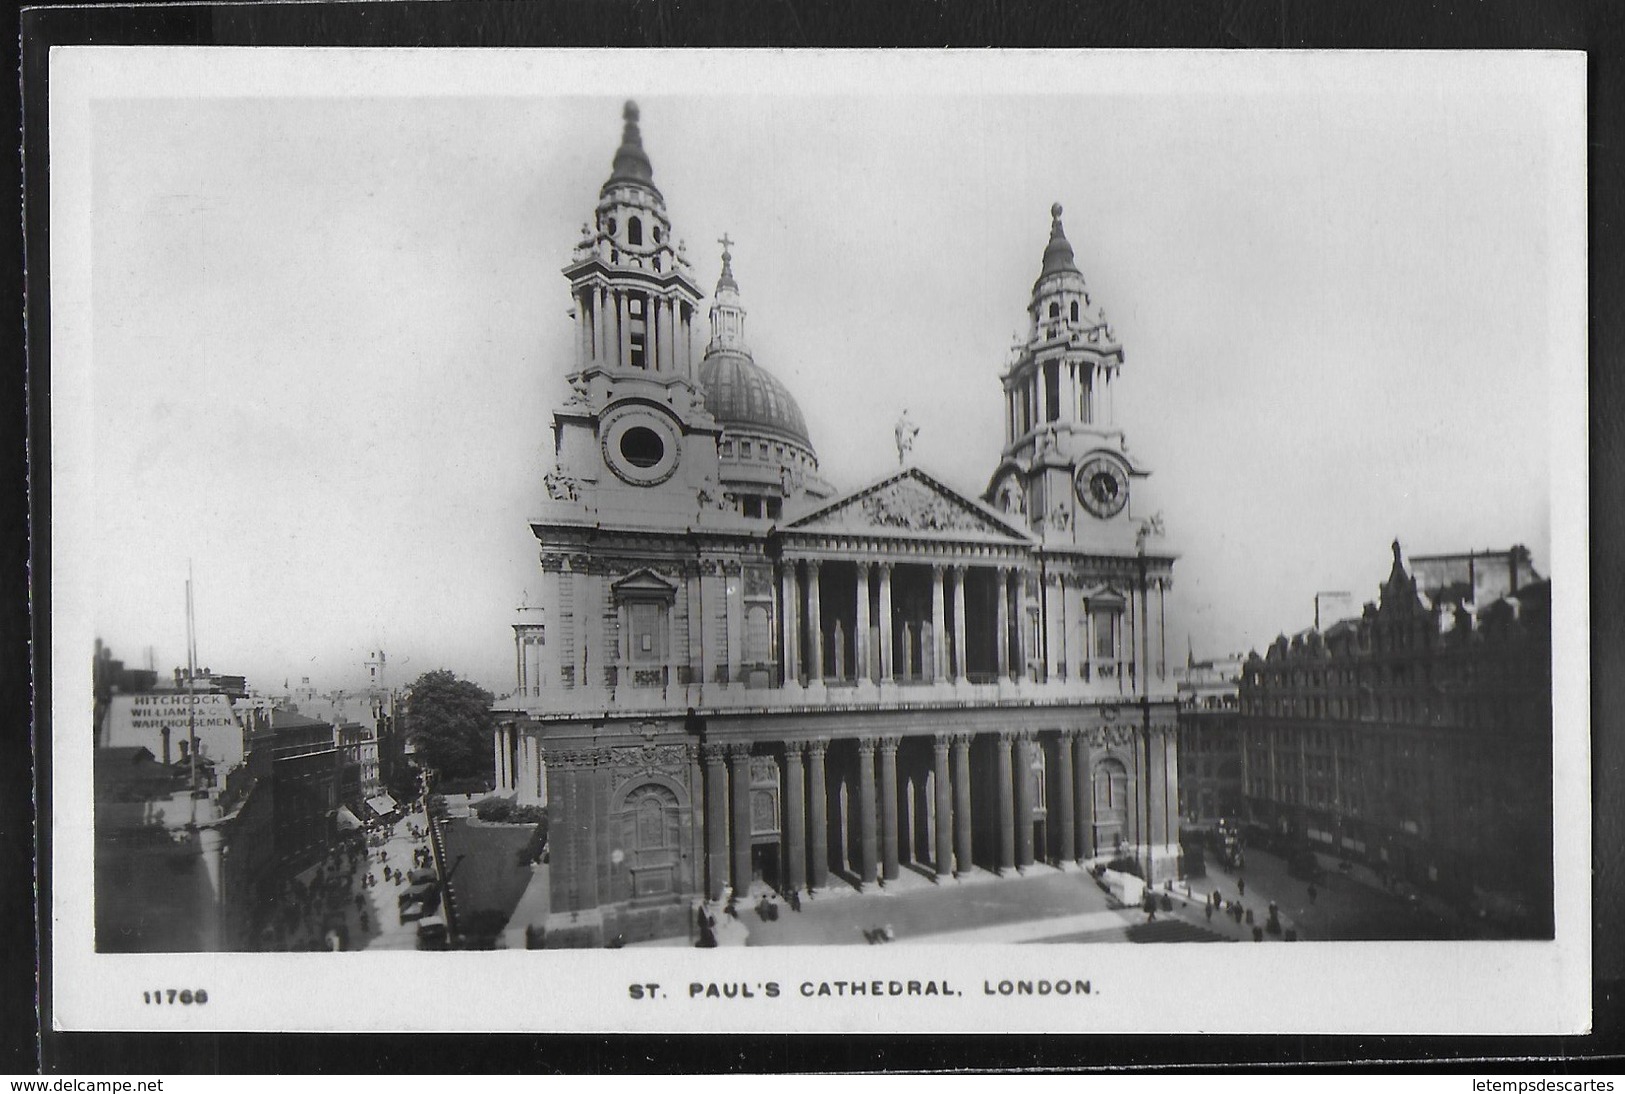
[26,1045]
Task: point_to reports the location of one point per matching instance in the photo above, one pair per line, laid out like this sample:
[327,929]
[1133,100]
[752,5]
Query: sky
[327,325]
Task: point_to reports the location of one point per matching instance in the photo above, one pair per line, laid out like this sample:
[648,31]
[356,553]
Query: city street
[1344,909]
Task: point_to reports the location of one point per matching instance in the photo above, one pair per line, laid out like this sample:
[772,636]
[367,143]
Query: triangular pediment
[644,583]
[1104,596]
[912,504]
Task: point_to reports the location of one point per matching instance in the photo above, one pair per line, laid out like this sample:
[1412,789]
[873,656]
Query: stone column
[817,823]
[887,671]
[1060,582]
[623,303]
[815,625]
[1086,799]
[716,820]
[795,831]
[600,305]
[958,573]
[1065,827]
[499,749]
[866,811]
[888,807]
[790,622]
[1018,644]
[668,343]
[962,817]
[943,806]
[1006,807]
[1023,764]
[1003,622]
[733,584]
[863,671]
[739,782]
[939,626]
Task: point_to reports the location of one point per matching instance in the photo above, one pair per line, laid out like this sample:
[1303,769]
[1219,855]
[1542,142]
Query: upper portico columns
[939,625]
[1003,623]
[815,625]
[957,576]
[790,620]
[860,643]
[887,672]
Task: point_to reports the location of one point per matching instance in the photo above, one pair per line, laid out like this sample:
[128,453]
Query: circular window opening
[642,446]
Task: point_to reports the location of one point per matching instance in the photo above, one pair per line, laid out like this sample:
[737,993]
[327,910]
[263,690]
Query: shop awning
[347,819]
[383,804]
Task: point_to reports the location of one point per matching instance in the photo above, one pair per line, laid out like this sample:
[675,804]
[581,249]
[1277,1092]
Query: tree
[450,723]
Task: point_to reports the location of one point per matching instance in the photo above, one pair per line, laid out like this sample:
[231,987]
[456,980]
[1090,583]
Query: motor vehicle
[420,896]
[421,876]
[420,909]
[432,933]
[1304,864]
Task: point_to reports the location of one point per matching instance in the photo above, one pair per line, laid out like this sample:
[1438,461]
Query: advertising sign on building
[164,722]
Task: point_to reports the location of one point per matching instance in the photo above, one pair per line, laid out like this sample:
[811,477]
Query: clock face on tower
[1102,486]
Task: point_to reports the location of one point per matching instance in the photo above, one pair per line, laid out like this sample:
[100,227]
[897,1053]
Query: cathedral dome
[745,398]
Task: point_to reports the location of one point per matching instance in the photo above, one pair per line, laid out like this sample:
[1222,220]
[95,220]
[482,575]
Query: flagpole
[191,679]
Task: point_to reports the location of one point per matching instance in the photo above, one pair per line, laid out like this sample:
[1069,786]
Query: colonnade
[517,761]
[971,803]
[803,638]
[606,325]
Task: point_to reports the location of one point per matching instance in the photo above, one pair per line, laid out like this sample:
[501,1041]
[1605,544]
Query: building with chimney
[1417,739]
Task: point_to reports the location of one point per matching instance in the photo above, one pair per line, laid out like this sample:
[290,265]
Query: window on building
[634,232]
[1054,310]
[752,507]
[1074,311]
[648,632]
[1052,391]
[1104,625]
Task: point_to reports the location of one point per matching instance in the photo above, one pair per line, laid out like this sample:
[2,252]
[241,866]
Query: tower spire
[727,313]
[631,161]
[1058,257]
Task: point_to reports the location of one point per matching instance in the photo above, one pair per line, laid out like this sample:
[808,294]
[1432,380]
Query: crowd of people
[326,907]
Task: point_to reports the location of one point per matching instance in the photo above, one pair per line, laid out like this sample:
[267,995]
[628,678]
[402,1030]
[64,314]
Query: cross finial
[725,241]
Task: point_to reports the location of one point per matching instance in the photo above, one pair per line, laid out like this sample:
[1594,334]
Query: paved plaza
[1042,905]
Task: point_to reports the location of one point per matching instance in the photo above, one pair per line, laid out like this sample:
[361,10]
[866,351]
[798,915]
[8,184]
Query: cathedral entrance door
[764,865]
[1041,851]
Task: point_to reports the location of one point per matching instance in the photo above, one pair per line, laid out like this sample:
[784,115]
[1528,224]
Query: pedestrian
[1241,886]
[1210,911]
[795,900]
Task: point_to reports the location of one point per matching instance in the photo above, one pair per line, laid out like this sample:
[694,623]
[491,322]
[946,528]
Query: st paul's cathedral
[737,677]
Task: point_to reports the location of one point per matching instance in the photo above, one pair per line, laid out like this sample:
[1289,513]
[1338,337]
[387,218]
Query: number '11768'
[185,996]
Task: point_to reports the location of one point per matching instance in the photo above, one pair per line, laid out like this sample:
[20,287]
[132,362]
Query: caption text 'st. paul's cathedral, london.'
[740,678]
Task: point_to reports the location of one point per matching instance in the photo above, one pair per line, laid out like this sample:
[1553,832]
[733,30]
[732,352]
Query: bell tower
[1065,468]
[634,292]
[634,441]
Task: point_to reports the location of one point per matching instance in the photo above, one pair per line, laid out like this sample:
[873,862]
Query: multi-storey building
[1210,741]
[1418,738]
[739,677]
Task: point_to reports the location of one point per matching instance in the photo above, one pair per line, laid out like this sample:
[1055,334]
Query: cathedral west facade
[741,678]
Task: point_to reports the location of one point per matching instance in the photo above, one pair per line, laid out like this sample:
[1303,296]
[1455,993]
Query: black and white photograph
[825,541]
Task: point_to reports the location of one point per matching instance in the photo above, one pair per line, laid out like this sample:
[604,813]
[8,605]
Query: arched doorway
[1111,805]
[651,829]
